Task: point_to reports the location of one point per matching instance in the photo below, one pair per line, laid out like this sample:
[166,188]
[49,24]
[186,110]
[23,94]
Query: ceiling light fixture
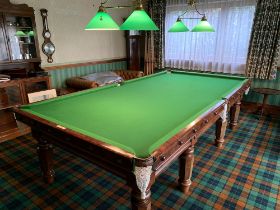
[102,20]
[138,20]
[202,26]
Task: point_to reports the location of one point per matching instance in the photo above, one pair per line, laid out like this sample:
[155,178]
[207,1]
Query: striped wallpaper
[59,76]
[257,83]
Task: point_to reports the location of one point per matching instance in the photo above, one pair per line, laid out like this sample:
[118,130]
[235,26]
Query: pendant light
[178,26]
[102,21]
[139,20]
[202,26]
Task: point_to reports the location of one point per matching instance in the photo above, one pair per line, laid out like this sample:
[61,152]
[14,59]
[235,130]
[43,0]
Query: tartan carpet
[245,174]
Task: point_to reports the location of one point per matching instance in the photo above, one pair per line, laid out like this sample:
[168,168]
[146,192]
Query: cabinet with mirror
[20,35]
[18,40]
[20,60]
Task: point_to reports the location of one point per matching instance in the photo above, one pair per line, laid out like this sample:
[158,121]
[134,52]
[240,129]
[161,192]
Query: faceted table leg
[221,126]
[45,153]
[234,114]
[141,181]
[185,169]
[139,203]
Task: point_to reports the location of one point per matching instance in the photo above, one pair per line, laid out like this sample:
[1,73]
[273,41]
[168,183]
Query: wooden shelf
[8,106]
[18,17]
[26,60]
[27,27]
[9,127]
[20,130]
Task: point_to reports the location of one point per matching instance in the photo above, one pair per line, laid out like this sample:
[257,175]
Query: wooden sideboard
[14,93]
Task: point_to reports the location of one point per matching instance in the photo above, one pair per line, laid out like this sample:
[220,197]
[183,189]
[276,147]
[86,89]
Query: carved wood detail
[7,6]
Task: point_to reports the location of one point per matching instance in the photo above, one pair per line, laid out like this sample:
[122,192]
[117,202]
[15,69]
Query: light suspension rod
[137,20]
[202,26]
[114,7]
[118,7]
[184,18]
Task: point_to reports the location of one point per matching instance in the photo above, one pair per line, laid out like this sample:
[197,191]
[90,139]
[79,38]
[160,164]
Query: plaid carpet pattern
[245,174]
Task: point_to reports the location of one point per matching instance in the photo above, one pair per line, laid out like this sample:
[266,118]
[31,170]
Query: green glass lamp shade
[203,26]
[30,33]
[179,26]
[139,20]
[102,21]
[20,33]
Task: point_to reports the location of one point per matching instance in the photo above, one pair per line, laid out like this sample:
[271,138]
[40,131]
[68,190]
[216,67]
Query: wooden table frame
[9,127]
[140,173]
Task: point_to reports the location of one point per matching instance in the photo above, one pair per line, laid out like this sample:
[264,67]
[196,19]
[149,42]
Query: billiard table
[136,129]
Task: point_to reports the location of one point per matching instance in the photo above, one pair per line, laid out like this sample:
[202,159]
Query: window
[224,50]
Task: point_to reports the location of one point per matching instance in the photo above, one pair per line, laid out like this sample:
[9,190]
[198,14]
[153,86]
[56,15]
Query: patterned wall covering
[59,76]
[258,83]
[264,46]
[157,9]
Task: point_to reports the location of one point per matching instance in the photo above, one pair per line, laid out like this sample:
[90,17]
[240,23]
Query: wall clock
[47,47]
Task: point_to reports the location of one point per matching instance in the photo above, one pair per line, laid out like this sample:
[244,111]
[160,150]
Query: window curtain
[157,10]
[224,50]
[265,41]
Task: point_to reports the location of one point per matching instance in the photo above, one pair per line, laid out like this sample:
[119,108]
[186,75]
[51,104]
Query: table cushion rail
[57,136]
[238,95]
[113,162]
[34,120]
[205,123]
[173,148]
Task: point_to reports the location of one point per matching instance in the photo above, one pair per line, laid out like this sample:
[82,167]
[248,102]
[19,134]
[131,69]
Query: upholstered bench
[88,81]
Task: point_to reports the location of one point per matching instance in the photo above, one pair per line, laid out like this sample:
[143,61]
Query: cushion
[108,80]
[94,76]
[103,78]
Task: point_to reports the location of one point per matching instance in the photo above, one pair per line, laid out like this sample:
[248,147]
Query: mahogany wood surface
[123,163]
[9,127]
[234,113]
[251,107]
[7,6]
[220,132]
[135,51]
[14,131]
[22,85]
[185,169]
[45,153]
[266,92]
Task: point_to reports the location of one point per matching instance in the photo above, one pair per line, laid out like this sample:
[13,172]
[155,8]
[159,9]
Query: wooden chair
[41,95]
